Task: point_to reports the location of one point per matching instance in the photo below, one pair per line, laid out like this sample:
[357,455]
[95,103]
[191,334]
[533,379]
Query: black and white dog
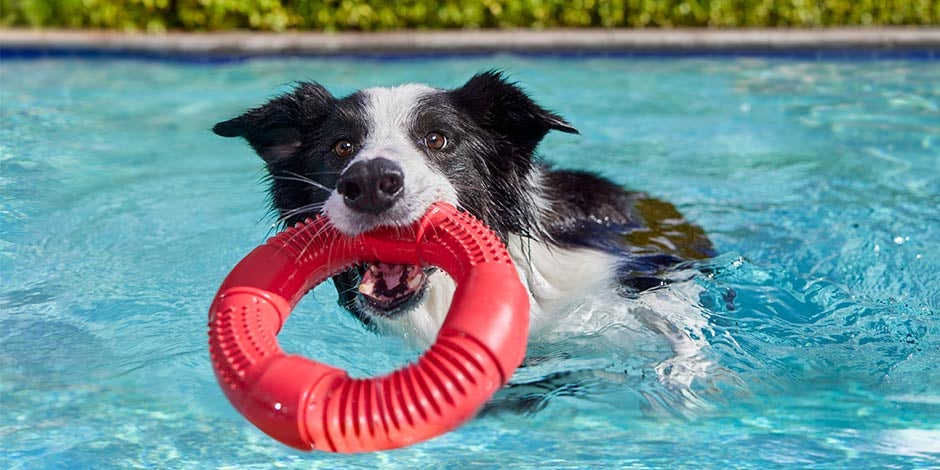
[382,156]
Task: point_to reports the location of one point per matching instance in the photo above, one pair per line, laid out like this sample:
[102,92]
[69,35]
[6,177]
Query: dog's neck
[555,277]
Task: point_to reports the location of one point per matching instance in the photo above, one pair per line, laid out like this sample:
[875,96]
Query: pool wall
[880,42]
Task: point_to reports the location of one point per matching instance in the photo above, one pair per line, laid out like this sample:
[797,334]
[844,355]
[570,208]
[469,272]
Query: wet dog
[382,156]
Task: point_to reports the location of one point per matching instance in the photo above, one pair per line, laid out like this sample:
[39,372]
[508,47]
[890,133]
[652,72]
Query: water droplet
[899,240]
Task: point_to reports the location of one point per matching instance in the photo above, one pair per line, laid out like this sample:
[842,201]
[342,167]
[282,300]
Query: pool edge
[479,41]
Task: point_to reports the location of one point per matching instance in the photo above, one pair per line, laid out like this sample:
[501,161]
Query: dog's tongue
[390,280]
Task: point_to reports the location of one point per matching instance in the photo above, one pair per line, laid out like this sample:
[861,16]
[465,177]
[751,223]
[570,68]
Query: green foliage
[330,15]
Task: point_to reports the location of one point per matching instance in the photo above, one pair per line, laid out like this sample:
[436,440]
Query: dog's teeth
[414,282]
[367,285]
[385,283]
[366,288]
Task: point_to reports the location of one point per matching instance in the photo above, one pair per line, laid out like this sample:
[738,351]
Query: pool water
[818,180]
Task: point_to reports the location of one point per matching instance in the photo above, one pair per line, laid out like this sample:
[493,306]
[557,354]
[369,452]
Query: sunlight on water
[815,332]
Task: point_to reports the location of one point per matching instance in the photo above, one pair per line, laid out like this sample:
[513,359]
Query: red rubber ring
[309,405]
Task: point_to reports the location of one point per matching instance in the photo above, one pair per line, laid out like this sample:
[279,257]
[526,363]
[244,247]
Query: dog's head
[382,156]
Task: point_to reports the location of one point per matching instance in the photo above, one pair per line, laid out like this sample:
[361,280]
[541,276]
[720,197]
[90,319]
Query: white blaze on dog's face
[396,143]
[391,118]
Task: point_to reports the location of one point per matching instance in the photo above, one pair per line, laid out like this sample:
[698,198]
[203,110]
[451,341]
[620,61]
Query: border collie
[382,156]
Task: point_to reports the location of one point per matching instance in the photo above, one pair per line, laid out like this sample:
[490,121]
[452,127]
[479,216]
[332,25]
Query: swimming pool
[120,213]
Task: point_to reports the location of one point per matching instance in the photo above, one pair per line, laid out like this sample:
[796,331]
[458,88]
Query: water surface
[819,181]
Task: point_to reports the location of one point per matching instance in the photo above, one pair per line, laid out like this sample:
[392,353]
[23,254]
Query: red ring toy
[309,405]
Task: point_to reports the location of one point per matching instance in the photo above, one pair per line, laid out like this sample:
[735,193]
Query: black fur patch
[294,134]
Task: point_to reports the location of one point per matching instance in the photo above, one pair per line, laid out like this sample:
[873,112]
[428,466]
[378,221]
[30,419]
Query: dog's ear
[274,129]
[504,108]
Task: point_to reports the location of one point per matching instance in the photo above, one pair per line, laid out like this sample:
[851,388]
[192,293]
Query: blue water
[819,181]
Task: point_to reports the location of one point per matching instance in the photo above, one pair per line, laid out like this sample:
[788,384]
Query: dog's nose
[371,186]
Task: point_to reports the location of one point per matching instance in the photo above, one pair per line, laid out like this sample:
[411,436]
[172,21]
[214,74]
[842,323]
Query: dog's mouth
[389,289]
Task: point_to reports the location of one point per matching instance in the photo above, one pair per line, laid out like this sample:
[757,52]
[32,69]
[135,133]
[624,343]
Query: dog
[381,156]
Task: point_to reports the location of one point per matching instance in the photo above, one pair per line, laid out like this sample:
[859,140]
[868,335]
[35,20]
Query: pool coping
[479,41]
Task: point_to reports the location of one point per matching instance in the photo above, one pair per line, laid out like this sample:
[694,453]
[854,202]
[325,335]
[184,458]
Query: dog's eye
[343,148]
[435,140]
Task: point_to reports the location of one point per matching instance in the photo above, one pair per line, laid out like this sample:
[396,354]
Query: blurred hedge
[279,15]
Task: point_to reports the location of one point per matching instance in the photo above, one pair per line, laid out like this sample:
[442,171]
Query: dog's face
[382,156]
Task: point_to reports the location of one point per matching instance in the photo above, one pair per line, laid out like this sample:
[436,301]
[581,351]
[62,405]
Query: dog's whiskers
[314,207]
[302,179]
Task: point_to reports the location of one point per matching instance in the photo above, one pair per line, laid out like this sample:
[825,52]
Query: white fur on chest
[556,278]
